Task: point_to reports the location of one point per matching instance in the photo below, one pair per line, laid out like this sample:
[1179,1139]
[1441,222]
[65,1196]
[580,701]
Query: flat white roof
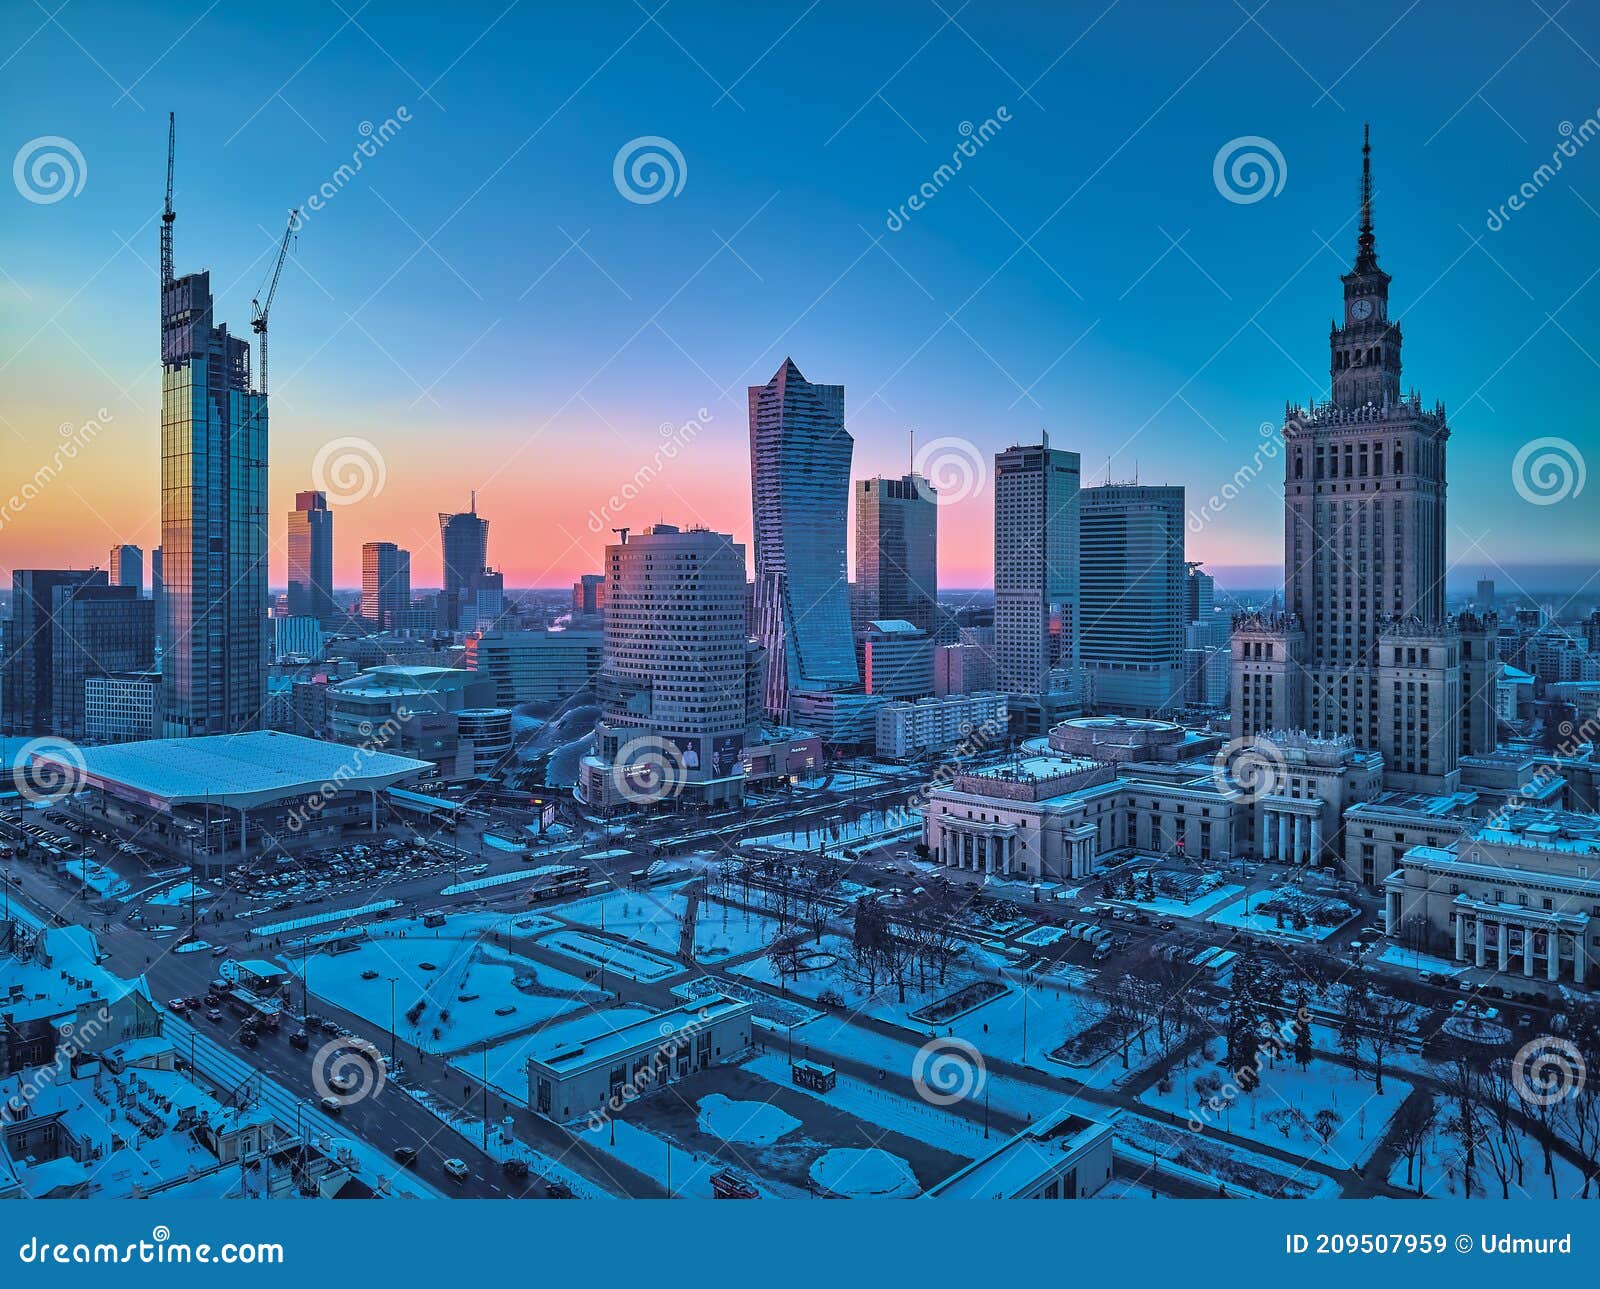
[565,1056]
[237,770]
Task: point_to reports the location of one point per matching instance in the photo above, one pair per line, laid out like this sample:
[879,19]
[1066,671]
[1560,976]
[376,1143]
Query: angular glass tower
[800,487]
[213,520]
[464,540]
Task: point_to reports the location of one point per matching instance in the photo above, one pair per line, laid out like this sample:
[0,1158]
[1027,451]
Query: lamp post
[392,982]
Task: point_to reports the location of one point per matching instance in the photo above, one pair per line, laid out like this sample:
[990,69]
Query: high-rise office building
[897,548]
[1131,596]
[1485,596]
[800,486]
[464,543]
[1036,534]
[213,516]
[30,645]
[155,588]
[311,557]
[126,567]
[97,630]
[1364,650]
[589,595]
[1199,594]
[675,708]
[385,582]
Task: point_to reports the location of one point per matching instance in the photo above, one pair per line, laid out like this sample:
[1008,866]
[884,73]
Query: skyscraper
[675,709]
[1036,535]
[1365,640]
[800,486]
[897,549]
[155,588]
[385,581]
[1131,596]
[311,557]
[213,515]
[28,674]
[97,631]
[127,567]
[464,542]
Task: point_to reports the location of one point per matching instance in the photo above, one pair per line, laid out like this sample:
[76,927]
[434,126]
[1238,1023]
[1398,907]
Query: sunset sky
[481,302]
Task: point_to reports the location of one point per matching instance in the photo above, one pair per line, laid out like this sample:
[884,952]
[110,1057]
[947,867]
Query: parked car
[515,1168]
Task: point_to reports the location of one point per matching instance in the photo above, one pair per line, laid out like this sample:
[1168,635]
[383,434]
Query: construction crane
[168,214]
[259,323]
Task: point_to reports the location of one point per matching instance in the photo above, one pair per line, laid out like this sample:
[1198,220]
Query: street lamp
[392,981]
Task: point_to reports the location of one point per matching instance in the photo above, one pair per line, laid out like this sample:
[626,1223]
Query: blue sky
[482,303]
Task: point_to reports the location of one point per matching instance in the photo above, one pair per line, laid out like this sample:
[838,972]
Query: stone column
[1579,958]
[1527,952]
[1316,839]
[1504,947]
[1480,948]
[1266,833]
[1283,837]
[1553,964]
[1461,935]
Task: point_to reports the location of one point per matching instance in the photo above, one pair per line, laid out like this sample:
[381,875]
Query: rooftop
[238,770]
[565,1055]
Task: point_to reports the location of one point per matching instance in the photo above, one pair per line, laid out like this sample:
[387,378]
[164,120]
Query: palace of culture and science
[1364,650]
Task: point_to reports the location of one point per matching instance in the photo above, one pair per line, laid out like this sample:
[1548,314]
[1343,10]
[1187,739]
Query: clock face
[1361,310]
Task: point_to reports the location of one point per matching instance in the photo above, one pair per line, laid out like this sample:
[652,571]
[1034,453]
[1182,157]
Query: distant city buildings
[800,485]
[385,582]
[897,659]
[1036,587]
[464,545]
[126,567]
[310,542]
[897,543]
[537,666]
[96,630]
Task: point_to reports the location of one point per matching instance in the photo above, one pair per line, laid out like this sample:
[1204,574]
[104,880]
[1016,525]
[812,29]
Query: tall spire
[1366,254]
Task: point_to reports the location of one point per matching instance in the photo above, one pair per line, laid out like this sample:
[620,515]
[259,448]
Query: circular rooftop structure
[1117,738]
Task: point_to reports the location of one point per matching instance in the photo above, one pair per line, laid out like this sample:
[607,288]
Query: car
[221,951]
[299,1040]
[1166,924]
[1425,977]
[177,1004]
[214,1015]
[456,1168]
[515,1168]
[1460,1005]
[369,974]
[332,1105]
[1466,986]
[1143,919]
[406,1154]
[328,1026]
[247,1037]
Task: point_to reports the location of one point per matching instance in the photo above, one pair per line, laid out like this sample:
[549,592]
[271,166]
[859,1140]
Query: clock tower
[1365,358]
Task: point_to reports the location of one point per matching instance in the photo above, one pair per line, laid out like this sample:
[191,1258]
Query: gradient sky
[483,305]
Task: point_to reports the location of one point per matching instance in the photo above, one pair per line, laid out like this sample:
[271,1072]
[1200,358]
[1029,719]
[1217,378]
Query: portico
[1512,939]
[1290,830]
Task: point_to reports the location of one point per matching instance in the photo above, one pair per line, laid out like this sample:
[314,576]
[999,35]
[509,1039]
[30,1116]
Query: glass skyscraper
[213,520]
[800,487]
[311,557]
[464,539]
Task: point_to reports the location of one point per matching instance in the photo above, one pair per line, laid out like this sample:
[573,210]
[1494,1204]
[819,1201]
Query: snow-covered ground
[1283,1111]
[1399,956]
[750,1123]
[876,826]
[722,931]
[459,976]
[864,1174]
[507,1061]
[628,960]
[1438,1169]
[648,918]
[1234,915]
[97,877]
[181,893]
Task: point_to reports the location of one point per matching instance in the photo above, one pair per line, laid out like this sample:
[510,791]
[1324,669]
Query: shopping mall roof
[237,770]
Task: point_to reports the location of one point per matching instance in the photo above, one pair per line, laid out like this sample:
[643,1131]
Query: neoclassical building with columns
[1519,895]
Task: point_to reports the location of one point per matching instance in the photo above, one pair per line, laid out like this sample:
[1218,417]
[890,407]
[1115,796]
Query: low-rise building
[1062,1156]
[931,725]
[593,1066]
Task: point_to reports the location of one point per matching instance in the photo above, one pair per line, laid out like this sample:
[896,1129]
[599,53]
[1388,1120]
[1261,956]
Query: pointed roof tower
[1366,242]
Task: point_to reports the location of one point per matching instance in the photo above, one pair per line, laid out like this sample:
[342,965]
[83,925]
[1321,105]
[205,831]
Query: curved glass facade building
[800,487]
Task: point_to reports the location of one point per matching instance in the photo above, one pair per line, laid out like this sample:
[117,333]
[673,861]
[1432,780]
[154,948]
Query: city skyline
[1160,350]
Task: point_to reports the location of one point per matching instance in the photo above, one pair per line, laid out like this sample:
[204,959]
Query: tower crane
[167,213]
[258,324]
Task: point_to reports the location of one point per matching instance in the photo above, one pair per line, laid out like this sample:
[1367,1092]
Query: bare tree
[1412,1123]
